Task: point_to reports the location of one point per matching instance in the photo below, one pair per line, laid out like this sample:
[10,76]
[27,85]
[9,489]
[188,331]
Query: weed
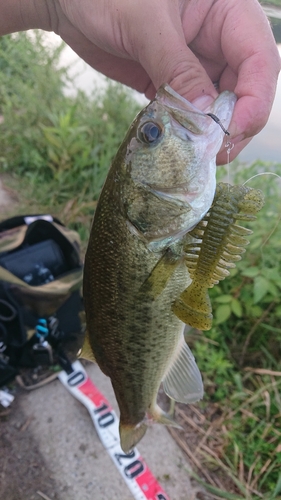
[240,357]
[58,150]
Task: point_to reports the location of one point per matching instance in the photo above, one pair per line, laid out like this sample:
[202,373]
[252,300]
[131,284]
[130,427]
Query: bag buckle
[42,349]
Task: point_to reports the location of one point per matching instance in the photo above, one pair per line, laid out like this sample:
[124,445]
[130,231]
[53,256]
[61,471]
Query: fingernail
[203,102]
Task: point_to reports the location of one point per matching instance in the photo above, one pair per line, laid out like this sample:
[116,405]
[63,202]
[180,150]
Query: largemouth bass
[160,185]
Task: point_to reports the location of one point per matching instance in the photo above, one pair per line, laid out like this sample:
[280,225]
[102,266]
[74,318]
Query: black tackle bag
[40,292]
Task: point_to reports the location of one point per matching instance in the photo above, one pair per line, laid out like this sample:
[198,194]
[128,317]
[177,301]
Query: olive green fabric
[45,299]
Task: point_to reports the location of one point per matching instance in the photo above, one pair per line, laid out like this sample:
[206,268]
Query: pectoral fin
[160,275]
[183,381]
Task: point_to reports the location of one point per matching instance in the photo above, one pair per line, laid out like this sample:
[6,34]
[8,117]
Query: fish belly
[132,336]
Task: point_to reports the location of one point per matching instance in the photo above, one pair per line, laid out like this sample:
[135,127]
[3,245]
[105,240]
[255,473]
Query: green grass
[58,150]
[240,357]
[270,2]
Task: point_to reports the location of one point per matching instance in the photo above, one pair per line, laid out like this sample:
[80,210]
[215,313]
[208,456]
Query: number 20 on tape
[135,472]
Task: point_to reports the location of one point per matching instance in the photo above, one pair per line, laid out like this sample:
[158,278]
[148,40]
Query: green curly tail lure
[220,243]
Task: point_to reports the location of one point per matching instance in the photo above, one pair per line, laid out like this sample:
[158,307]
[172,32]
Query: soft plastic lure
[220,243]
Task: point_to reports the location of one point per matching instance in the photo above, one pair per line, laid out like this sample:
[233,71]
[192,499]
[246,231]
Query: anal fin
[183,381]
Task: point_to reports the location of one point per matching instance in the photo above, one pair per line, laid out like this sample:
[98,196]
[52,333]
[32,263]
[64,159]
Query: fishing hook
[217,120]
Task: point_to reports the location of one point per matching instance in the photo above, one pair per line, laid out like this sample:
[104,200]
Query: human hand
[186,43]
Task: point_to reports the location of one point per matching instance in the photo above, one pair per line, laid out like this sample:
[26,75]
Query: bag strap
[21,220]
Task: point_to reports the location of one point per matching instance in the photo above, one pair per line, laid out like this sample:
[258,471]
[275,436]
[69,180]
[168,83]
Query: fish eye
[150,132]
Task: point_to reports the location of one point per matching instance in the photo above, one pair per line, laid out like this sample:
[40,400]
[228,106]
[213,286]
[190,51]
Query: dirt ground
[50,449]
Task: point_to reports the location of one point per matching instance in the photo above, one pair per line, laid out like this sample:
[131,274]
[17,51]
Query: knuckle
[189,79]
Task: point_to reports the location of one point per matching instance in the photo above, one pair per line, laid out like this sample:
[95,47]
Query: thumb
[167,59]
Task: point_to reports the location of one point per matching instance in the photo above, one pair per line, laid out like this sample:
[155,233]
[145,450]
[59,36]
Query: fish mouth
[193,119]
[183,112]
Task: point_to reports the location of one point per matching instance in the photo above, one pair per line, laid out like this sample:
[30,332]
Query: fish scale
[160,185]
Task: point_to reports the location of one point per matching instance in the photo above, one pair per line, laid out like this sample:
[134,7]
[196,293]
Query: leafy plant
[240,356]
[59,148]
[28,71]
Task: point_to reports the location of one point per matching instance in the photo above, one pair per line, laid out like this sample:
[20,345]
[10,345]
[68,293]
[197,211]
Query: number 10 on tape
[131,466]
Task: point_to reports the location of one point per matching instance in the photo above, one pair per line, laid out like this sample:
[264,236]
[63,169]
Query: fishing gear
[218,243]
[217,120]
[40,300]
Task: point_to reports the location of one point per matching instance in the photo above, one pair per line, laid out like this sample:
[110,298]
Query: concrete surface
[53,432]
[75,457]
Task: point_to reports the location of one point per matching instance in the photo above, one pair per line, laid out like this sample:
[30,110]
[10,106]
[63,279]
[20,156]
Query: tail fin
[130,435]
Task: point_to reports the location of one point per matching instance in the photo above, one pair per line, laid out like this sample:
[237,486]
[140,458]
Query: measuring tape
[131,466]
